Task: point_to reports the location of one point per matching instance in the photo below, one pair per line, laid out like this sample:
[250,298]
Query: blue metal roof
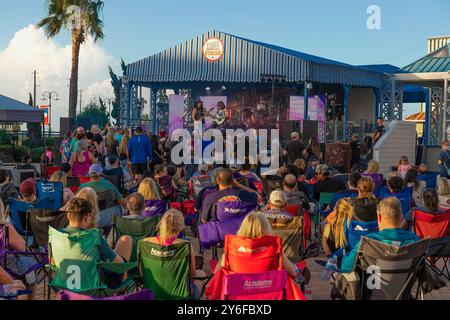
[15,111]
[245,61]
[437,61]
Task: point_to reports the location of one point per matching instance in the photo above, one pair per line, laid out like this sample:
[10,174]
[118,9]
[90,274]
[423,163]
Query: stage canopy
[15,111]
[245,61]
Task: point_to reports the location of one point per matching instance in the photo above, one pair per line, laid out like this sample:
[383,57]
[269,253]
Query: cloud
[30,50]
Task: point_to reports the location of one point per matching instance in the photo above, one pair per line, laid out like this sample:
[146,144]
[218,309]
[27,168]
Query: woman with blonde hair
[333,237]
[90,196]
[443,189]
[256,225]
[60,176]
[373,167]
[123,151]
[149,190]
[169,228]
[373,171]
[112,145]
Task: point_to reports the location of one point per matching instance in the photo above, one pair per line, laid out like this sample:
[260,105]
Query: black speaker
[64,125]
[310,129]
[290,126]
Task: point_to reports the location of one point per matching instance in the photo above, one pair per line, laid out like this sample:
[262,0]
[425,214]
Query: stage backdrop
[176,111]
[316,111]
[211,102]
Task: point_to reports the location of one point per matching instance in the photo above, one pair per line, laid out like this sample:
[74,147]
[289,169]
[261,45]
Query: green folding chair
[166,270]
[75,264]
[137,229]
[325,201]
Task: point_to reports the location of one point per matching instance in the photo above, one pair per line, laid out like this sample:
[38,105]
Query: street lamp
[49,95]
[109,101]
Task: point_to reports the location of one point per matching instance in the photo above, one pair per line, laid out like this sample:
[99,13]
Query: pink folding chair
[269,285]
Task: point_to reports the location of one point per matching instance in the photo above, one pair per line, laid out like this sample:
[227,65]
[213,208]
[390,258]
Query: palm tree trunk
[77,40]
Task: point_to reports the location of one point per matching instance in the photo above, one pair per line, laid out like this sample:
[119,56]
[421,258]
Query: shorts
[139,168]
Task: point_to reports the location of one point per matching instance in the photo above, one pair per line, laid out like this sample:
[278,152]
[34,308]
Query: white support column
[446,106]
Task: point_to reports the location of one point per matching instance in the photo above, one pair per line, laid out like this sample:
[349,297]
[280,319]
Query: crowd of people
[135,167]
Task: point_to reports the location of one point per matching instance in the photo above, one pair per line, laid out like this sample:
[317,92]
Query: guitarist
[221,116]
[199,113]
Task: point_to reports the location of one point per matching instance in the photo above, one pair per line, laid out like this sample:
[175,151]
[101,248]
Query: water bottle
[308,292]
[325,274]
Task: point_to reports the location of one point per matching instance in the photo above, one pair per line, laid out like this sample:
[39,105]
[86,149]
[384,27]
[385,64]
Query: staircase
[398,140]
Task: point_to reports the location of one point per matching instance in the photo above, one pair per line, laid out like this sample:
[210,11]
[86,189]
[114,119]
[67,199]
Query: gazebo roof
[437,61]
[245,61]
[15,111]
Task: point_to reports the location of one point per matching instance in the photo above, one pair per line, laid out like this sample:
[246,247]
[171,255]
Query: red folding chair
[84,180]
[434,226]
[293,209]
[49,171]
[252,270]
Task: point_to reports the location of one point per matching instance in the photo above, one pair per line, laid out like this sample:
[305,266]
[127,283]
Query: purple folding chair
[227,218]
[155,207]
[41,257]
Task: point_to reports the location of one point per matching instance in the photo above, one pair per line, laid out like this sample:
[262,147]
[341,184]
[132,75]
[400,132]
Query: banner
[210,102]
[45,109]
[176,112]
[316,111]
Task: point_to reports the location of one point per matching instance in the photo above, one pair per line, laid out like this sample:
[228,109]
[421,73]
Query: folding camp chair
[137,229]
[397,269]
[40,257]
[155,207]
[19,213]
[323,208]
[355,230]
[53,190]
[73,183]
[84,180]
[290,230]
[252,259]
[106,199]
[166,270]
[435,227]
[49,171]
[117,181]
[76,266]
[143,295]
[269,285]
[8,191]
[6,295]
[19,175]
[294,209]
[226,220]
[41,220]
[271,183]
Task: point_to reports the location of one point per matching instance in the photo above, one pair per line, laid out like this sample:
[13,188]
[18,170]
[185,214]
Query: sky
[135,29]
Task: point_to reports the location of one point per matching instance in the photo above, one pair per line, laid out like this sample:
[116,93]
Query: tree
[60,14]
[116,83]
[94,113]
[34,129]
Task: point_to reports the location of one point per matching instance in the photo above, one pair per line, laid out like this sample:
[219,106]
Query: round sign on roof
[213,49]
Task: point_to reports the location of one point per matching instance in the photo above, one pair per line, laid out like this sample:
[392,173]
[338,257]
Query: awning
[15,111]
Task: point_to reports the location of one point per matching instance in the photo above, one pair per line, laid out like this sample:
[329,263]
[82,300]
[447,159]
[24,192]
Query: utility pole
[81,98]
[34,88]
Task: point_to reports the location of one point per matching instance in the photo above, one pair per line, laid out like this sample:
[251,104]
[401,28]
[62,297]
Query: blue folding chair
[19,212]
[355,230]
[430,179]
[405,198]
[54,190]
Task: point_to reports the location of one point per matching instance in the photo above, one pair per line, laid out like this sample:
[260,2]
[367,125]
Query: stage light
[224,88]
[208,89]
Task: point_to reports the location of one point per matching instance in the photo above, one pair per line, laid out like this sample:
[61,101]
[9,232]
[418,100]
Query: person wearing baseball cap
[276,204]
[27,190]
[325,183]
[99,184]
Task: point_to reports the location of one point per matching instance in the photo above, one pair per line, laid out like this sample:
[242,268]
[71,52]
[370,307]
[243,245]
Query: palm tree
[59,16]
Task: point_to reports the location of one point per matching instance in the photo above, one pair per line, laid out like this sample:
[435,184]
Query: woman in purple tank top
[81,159]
